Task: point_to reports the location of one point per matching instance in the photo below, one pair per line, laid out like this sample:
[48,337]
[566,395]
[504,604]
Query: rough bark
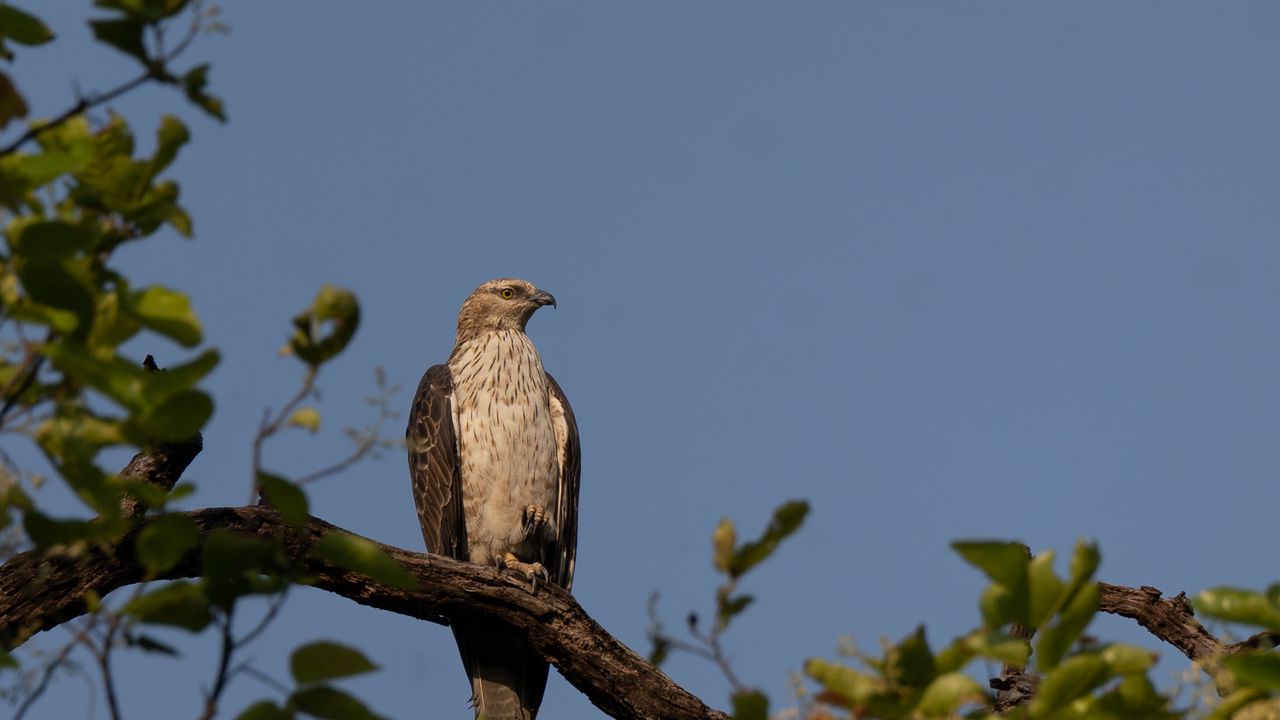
[39,591]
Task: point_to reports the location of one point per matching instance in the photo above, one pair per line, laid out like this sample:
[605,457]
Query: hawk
[494,458]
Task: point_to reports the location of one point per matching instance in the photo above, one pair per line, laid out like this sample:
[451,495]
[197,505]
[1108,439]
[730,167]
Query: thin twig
[224,664]
[43,685]
[155,71]
[270,426]
[277,602]
[22,380]
[261,677]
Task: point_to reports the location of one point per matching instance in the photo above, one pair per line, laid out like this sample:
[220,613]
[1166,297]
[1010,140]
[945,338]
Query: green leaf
[1045,589]
[855,687]
[306,417]
[1259,670]
[12,104]
[112,325]
[723,540]
[165,540]
[910,662]
[750,705]
[330,703]
[947,693]
[160,386]
[52,239]
[1128,659]
[117,379]
[286,497]
[194,83]
[124,35]
[1055,641]
[731,607]
[178,419]
[265,710]
[148,644]
[1237,701]
[170,136]
[65,283]
[7,661]
[169,313]
[1075,677]
[1241,606]
[238,564]
[1003,562]
[323,660]
[45,531]
[22,28]
[364,557]
[181,604]
[334,309]
[786,520]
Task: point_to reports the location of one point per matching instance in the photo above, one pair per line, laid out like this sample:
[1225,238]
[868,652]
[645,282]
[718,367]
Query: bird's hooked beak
[542,297]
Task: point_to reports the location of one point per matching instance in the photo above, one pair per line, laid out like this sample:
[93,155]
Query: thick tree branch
[39,591]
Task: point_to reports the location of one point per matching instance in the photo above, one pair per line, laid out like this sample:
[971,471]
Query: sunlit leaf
[1128,659]
[786,520]
[1259,670]
[1054,642]
[947,693]
[855,687]
[1237,605]
[1076,676]
[1045,589]
[169,313]
[324,660]
[324,329]
[1002,561]
[170,136]
[306,417]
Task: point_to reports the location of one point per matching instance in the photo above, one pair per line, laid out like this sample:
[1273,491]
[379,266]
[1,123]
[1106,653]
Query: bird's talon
[531,571]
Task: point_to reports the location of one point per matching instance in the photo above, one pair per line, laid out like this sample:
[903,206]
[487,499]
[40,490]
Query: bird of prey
[494,458]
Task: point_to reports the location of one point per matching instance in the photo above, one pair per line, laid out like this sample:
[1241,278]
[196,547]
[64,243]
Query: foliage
[1033,625]
[72,192]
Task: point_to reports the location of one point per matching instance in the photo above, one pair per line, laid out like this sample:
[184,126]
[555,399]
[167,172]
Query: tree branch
[39,591]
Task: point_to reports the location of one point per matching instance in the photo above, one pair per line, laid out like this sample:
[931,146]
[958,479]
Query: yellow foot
[531,571]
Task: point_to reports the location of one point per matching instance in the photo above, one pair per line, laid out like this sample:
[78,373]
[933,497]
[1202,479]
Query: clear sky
[944,269]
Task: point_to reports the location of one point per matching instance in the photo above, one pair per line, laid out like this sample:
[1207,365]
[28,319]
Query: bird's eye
[506,293]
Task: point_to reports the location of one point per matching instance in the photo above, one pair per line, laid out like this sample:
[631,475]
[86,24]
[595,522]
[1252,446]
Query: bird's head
[502,304]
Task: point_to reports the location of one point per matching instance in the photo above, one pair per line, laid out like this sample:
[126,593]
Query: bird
[495,462]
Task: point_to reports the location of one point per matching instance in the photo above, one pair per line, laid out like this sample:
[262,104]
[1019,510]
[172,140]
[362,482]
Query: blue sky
[944,269]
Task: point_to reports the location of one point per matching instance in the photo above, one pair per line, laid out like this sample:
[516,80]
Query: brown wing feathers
[433,461]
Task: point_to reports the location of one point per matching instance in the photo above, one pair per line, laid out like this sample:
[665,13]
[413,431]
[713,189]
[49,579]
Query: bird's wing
[434,465]
[569,453]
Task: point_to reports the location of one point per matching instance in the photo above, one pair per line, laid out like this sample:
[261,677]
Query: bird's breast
[506,441]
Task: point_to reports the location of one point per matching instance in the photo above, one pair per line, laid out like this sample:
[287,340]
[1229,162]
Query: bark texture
[39,591]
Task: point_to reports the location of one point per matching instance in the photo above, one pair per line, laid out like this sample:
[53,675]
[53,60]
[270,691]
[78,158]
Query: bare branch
[39,591]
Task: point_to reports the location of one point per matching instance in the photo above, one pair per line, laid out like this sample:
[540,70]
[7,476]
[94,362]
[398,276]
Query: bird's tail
[507,676]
